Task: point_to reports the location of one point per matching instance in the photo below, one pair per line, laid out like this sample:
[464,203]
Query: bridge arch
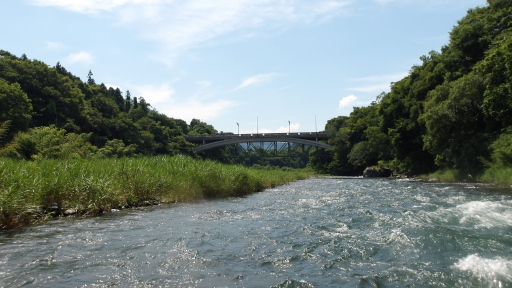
[231,141]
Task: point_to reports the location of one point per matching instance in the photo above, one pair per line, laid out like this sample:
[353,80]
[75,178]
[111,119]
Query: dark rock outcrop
[372,172]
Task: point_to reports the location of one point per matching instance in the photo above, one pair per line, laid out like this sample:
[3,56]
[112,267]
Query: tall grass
[31,189]
[448,175]
[497,175]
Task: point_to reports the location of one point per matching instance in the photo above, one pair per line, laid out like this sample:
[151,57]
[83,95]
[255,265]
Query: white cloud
[257,79]
[178,25]
[385,1]
[187,109]
[195,108]
[294,127]
[431,5]
[84,6]
[54,45]
[346,101]
[382,78]
[371,88]
[154,94]
[376,83]
[79,58]
[112,86]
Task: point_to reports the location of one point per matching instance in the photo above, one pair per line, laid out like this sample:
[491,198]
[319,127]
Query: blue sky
[269,65]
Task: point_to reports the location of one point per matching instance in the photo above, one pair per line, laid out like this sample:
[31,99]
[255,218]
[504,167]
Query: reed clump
[498,174]
[33,191]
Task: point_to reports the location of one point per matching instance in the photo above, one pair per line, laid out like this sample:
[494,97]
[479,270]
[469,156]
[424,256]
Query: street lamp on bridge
[289,127]
[238,128]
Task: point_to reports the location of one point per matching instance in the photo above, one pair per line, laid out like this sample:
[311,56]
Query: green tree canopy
[15,107]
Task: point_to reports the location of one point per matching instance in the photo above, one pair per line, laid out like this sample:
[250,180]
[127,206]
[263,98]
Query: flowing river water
[326,232]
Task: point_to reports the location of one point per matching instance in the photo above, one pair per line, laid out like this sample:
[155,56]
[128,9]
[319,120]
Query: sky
[247,66]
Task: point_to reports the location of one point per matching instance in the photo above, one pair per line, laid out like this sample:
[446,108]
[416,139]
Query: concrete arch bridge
[276,143]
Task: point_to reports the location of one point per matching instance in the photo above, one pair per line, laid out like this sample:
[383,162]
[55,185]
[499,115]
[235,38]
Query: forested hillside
[49,113]
[454,111]
[46,112]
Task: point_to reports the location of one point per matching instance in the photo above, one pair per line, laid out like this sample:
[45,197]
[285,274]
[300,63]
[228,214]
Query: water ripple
[336,232]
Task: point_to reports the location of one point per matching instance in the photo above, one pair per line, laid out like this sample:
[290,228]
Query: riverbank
[35,191]
[501,176]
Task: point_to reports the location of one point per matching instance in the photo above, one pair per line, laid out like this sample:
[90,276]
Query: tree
[200,128]
[455,124]
[128,101]
[4,128]
[496,69]
[48,143]
[90,80]
[116,148]
[144,105]
[15,107]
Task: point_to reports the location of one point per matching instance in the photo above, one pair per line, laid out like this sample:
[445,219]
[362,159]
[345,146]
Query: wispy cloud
[197,108]
[54,45]
[428,5]
[85,6]
[293,127]
[178,25]
[371,88]
[256,79]
[377,83]
[382,78]
[204,84]
[155,94]
[84,58]
[185,108]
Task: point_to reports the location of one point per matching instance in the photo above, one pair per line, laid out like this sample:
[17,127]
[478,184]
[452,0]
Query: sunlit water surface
[330,232]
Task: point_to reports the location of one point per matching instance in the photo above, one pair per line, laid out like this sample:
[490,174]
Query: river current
[325,232]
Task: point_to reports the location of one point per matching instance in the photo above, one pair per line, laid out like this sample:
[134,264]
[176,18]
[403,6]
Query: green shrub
[502,149]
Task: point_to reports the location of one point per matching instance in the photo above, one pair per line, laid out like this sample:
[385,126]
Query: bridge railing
[232,135]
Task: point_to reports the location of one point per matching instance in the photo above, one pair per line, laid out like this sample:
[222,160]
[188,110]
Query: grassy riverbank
[32,191]
[494,175]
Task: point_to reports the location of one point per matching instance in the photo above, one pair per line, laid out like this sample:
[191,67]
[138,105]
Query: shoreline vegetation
[450,114]
[495,175]
[33,192]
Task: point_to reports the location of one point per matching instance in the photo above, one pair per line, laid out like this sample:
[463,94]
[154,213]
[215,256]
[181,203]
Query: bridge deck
[201,139]
[208,142]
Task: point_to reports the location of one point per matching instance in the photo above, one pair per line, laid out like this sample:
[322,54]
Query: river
[325,232]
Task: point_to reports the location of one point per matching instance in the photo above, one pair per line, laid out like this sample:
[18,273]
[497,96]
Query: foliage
[48,143]
[200,128]
[36,95]
[455,125]
[497,175]
[116,148]
[4,127]
[502,149]
[16,108]
[452,112]
[358,142]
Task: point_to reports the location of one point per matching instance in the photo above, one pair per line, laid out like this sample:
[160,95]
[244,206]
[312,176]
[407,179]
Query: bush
[48,142]
[502,149]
